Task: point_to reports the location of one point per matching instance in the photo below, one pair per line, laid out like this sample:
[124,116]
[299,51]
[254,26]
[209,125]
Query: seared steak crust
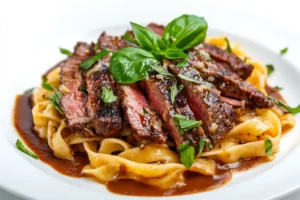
[145,126]
[106,119]
[229,83]
[206,103]
[238,66]
[113,43]
[73,103]
[158,92]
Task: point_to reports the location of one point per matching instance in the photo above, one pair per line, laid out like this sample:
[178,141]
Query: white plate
[29,47]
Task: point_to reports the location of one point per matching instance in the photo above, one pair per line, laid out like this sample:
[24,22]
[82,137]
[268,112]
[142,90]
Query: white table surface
[284,13]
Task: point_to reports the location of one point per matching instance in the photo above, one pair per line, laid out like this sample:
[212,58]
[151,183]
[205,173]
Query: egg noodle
[156,164]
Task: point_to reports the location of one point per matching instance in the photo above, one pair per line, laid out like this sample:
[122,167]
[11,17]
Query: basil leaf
[46,85]
[131,64]
[107,95]
[29,91]
[209,145]
[245,59]
[202,143]
[205,55]
[185,32]
[65,51]
[96,47]
[185,124]
[278,88]
[268,147]
[127,36]
[161,70]
[270,69]
[146,38]
[182,64]
[185,77]
[83,88]
[288,108]
[55,99]
[173,53]
[87,64]
[284,51]
[180,88]
[228,47]
[173,93]
[145,111]
[22,148]
[186,154]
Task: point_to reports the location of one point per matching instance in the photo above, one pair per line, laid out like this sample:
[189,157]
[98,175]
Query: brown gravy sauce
[194,182]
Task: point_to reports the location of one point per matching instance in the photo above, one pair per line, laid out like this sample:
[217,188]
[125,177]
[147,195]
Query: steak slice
[145,126]
[205,102]
[73,102]
[112,43]
[158,29]
[106,119]
[237,65]
[229,83]
[158,92]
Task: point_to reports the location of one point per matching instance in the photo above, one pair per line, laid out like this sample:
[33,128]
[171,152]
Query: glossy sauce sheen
[194,182]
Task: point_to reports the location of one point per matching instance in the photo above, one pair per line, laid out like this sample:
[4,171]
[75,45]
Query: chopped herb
[127,36]
[182,64]
[185,77]
[66,52]
[29,91]
[55,99]
[185,124]
[87,64]
[278,87]
[288,108]
[270,69]
[284,51]
[159,69]
[180,87]
[83,88]
[186,154]
[202,143]
[205,55]
[209,145]
[22,148]
[245,59]
[145,111]
[107,95]
[268,147]
[173,93]
[96,47]
[228,47]
[46,85]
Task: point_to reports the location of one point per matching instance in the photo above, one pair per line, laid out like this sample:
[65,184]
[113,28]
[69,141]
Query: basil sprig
[133,64]
[292,110]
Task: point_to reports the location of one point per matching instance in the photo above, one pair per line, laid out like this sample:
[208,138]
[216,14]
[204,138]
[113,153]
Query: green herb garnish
[182,64]
[209,145]
[185,124]
[159,69]
[270,69]
[55,99]
[284,51]
[127,36]
[278,88]
[22,148]
[202,143]
[29,91]
[65,51]
[46,85]
[107,95]
[187,78]
[87,64]
[228,47]
[268,147]
[173,93]
[186,154]
[83,88]
[145,111]
[288,108]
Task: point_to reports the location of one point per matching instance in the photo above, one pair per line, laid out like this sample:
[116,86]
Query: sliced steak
[205,102]
[236,64]
[73,103]
[106,119]
[113,43]
[158,92]
[145,126]
[229,83]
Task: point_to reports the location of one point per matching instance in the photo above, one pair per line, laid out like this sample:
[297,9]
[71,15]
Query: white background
[285,13]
